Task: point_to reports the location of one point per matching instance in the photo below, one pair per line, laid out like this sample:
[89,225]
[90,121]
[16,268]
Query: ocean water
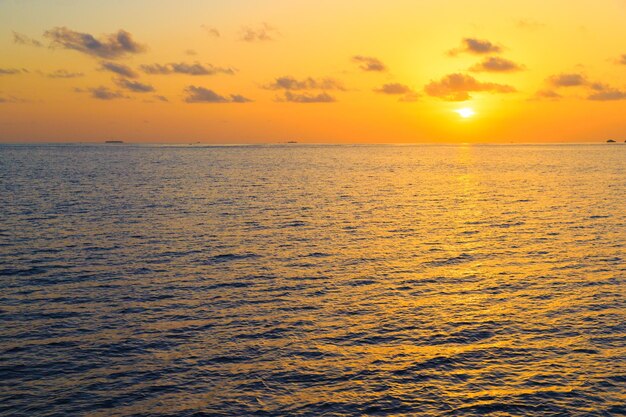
[304,280]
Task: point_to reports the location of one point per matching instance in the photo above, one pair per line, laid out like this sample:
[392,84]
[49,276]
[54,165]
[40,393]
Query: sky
[340,71]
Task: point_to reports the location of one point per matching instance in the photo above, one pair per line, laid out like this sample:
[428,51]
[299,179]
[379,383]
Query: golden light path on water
[313,280]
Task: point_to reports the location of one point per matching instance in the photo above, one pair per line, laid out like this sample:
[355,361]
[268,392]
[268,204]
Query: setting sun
[465,112]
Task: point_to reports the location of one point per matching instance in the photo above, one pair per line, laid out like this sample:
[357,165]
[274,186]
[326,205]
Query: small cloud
[183,68]
[161,98]
[457,87]
[567,80]
[393,88]
[62,73]
[496,64]
[291,83]
[134,86]
[119,69]
[307,98]
[238,98]
[622,60]
[262,33]
[211,31]
[368,63]
[599,87]
[190,52]
[608,95]
[409,98]
[25,40]
[111,46]
[529,24]
[399,89]
[12,99]
[476,47]
[204,95]
[547,95]
[12,71]
[101,93]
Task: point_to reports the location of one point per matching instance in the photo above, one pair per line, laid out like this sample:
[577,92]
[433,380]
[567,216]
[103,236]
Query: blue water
[312,280]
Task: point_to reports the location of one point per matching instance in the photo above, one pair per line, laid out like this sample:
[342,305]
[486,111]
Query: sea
[313,280]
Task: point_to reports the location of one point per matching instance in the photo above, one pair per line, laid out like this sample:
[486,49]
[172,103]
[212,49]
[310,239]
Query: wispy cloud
[134,86]
[457,87]
[211,31]
[195,68]
[368,63]
[101,93]
[12,71]
[529,24]
[291,83]
[604,92]
[567,80]
[622,60]
[196,94]
[63,73]
[262,33]
[119,69]
[22,39]
[608,95]
[547,95]
[476,47]
[109,46]
[305,98]
[397,89]
[497,64]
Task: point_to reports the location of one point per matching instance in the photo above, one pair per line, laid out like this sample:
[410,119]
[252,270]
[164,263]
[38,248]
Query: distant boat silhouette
[292,141]
[610,141]
[113,141]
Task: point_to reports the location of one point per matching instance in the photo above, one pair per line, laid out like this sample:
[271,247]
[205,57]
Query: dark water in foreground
[313,281]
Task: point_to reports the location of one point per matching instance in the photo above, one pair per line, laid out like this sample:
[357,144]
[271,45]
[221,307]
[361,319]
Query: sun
[465,112]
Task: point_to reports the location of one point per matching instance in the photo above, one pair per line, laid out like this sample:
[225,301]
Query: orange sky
[313,71]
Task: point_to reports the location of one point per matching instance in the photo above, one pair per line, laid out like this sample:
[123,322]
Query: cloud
[476,47]
[191,52]
[608,95]
[12,99]
[408,95]
[307,98]
[134,86]
[161,98]
[25,40]
[12,71]
[529,24]
[261,33]
[109,46]
[496,64]
[622,60]
[368,63]
[62,73]
[393,88]
[291,83]
[547,95]
[567,80]
[456,87]
[101,93]
[211,31]
[204,95]
[183,68]
[119,69]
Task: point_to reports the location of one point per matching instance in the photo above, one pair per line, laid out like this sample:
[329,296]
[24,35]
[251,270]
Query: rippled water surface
[313,280]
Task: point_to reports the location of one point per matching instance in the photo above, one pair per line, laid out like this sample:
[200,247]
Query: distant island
[113,141]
